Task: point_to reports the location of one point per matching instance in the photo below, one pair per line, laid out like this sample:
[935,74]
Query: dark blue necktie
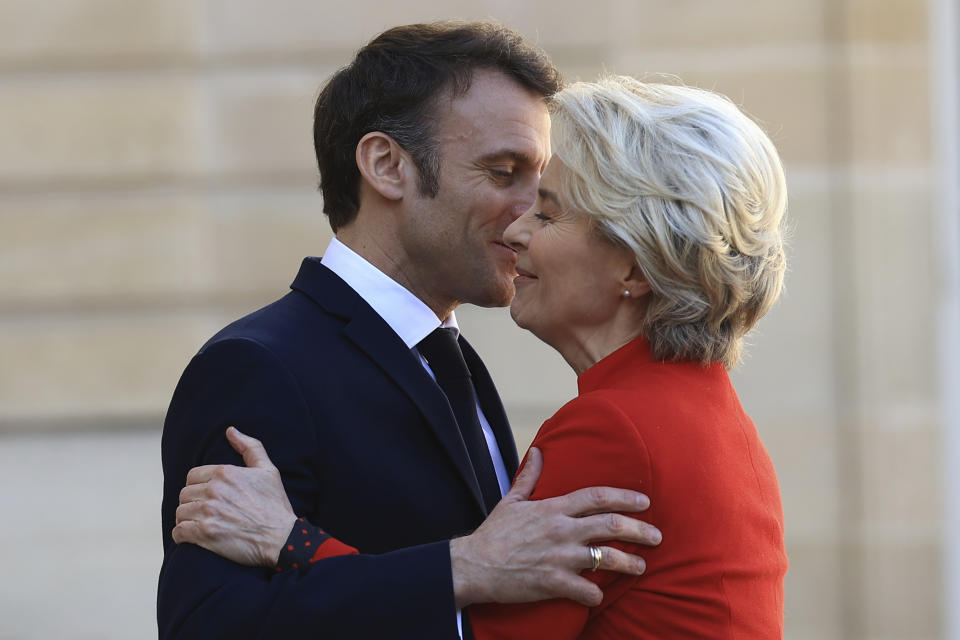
[443,354]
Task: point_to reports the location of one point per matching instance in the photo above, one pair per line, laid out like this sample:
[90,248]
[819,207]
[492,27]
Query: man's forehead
[508,131]
[493,94]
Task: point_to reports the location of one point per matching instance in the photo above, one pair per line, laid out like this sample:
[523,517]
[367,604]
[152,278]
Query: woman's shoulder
[603,413]
[592,441]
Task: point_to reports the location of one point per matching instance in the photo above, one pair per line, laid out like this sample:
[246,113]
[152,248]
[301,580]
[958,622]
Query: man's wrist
[463,571]
[272,554]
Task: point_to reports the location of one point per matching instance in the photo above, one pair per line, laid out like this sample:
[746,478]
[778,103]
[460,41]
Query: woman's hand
[240,513]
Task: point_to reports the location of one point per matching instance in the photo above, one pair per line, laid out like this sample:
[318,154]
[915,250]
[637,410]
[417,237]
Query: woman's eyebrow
[546,194]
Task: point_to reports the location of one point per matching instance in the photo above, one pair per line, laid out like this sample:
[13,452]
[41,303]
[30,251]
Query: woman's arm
[251,521]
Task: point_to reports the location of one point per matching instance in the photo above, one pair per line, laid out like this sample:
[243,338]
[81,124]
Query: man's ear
[635,282]
[383,164]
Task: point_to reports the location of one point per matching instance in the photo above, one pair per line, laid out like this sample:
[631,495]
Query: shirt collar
[406,314]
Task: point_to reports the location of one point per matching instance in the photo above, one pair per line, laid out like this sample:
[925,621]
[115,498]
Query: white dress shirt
[410,319]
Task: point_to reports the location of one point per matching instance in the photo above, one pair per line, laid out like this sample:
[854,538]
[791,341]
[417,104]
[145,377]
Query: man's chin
[507,294]
[500,297]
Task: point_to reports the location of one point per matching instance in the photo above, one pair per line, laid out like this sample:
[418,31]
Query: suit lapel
[492,407]
[372,335]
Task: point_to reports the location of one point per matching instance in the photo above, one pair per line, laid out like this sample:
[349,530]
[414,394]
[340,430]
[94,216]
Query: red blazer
[677,432]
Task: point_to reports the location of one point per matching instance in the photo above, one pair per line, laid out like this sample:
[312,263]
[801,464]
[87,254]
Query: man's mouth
[508,252]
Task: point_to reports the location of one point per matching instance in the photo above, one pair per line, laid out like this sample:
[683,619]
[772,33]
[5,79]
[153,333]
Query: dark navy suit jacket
[366,444]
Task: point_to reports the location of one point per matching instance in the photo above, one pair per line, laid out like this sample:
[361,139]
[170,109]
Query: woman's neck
[583,348]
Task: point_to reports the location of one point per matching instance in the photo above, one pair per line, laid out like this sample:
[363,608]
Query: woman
[654,246]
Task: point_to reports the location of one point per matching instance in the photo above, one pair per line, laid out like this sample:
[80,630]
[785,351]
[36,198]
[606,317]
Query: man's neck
[383,254]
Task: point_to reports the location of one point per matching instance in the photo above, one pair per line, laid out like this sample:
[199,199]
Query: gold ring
[595,556]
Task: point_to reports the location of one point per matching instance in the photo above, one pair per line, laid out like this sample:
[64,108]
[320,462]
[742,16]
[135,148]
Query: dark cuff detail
[306,544]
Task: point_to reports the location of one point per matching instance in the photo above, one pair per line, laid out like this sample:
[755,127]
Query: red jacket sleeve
[589,442]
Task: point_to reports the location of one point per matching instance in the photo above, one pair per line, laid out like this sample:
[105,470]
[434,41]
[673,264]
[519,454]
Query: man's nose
[513,235]
[526,199]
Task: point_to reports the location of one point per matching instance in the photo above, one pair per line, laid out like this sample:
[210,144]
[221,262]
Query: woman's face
[569,281]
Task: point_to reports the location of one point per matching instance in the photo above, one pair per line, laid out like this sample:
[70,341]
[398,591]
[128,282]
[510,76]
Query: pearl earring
[626,293]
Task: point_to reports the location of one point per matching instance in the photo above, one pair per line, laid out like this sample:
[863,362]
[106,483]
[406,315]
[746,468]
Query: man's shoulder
[280,322]
[314,311]
[321,320]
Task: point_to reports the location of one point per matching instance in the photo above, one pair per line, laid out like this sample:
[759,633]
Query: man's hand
[527,550]
[240,513]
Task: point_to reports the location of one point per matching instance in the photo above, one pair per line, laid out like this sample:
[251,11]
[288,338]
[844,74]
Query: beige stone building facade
[157,181]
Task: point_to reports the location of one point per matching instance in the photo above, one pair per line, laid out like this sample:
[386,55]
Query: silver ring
[596,555]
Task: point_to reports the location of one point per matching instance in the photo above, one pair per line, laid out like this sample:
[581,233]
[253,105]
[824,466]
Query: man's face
[493,142]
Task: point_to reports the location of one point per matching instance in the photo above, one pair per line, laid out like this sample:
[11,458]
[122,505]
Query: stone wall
[157,181]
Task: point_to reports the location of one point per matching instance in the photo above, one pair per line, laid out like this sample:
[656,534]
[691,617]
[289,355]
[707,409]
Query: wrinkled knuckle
[557,529]
[611,559]
[205,529]
[186,531]
[557,579]
[615,525]
[221,472]
[596,495]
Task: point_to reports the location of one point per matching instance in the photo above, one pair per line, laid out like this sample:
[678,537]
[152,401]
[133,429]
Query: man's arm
[525,550]
[407,593]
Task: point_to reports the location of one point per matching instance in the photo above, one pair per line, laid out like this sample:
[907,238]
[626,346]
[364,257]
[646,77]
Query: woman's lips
[524,275]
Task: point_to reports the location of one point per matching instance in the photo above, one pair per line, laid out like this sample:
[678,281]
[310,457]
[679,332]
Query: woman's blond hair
[695,189]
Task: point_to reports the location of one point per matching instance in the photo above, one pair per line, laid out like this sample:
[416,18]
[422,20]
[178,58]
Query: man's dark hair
[393,85]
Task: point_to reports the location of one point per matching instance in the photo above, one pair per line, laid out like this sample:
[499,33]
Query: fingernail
[657,536]
[641,567]
[643,501]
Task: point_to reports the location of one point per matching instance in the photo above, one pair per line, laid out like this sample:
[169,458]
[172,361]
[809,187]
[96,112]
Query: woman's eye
[539,215]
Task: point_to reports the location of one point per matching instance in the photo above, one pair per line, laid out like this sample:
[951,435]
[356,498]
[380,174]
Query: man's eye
[502,173]
[539,215]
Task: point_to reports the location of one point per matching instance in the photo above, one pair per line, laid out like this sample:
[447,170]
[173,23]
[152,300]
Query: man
[429,144]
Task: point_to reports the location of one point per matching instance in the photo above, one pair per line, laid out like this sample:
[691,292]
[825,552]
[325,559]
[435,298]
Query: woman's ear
[636,283]
[383,164]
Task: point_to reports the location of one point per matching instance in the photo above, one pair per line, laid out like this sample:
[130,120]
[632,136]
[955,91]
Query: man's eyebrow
[546,194]
[506,154]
